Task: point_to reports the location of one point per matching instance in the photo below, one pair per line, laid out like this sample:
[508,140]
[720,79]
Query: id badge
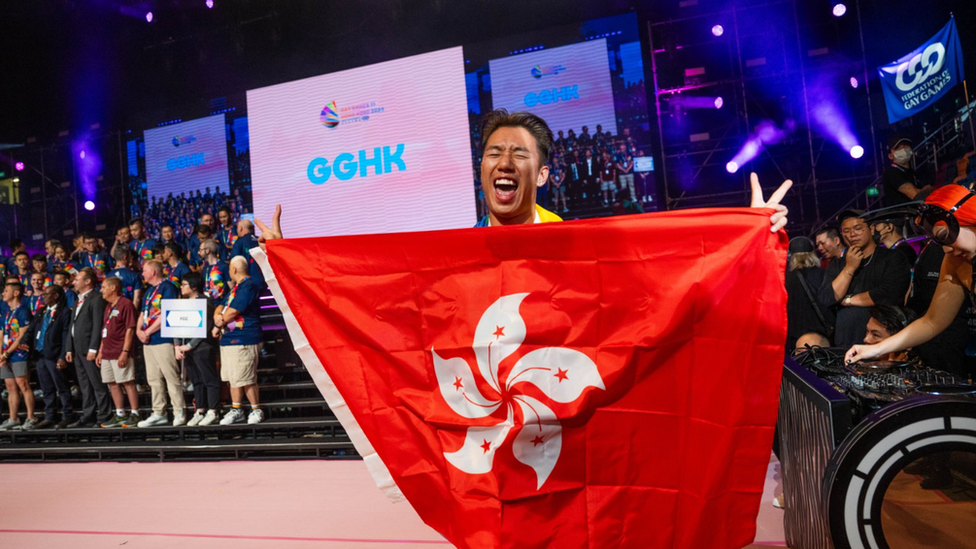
[104,332]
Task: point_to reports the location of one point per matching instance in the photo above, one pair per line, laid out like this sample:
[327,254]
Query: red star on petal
[457,383]
[561,374]
[486,446]
[537,440]
[499,331]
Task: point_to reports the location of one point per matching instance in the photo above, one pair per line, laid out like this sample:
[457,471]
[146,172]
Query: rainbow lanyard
[7,322]
[148,310]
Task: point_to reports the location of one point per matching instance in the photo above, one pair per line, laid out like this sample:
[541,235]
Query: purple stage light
[210,4]
[857,151]
[89,205]
[718,30]
[81,155]
[149,17]
[767,133]
[19,166]
[732,167]
[719,102]
[854,82]
[839,9]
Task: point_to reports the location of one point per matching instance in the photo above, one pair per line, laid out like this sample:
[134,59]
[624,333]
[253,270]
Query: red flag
[598,383]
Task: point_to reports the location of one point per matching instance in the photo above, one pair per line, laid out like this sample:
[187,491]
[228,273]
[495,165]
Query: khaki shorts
[239,364]
[607,186]
[111,373]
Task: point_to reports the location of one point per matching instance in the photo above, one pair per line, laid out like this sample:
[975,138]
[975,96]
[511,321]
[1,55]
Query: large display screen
[186,157]
[569,87]
[375,149]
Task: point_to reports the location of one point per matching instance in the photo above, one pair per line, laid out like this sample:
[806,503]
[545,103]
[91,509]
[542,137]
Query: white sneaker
[10,424]
[210,418]
[235,415]
[179,418]
[256,416]
[153,421]
[196,419]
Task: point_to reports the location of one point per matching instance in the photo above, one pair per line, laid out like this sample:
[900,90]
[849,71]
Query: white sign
[185,318]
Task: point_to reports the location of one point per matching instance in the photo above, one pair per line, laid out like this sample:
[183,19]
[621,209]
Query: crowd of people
[183,211]
[89,315]
[589,170]
[869,278]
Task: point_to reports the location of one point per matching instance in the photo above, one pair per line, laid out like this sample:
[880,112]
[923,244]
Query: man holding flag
[563,385]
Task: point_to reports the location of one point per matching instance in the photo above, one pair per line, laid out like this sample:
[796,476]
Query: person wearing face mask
[948,216]
[899,180]
[887,228]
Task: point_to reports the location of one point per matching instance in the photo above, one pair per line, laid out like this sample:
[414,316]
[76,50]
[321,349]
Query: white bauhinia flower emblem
[561,374]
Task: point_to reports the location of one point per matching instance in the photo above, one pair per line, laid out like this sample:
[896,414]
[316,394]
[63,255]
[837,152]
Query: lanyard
[112,310]
[147,310]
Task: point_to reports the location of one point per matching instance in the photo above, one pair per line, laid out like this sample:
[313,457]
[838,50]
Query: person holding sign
[200,361]
[115,353]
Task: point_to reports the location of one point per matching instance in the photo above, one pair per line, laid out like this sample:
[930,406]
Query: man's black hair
[892,317]
[195,281]
[832,232]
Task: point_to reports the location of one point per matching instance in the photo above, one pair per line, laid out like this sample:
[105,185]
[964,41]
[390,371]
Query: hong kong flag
[598,383]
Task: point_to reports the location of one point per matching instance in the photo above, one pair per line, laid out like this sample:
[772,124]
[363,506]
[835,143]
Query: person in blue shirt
[162,370]
[63,279]
[238,323]
[141,243]
[13,361]
[200,233]
[216,276]
[173,264]
[242,247]
[125,260]
[95,257]
[21,268]
[16,246]
[35,303]
[226,233]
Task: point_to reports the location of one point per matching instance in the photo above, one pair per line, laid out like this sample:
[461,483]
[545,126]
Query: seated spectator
[49,337]
[115,354]
[238,323]
[803,280]
[200,360]
[866,276]
[13,360]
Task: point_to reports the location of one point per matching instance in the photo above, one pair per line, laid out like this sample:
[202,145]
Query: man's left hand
[778,219]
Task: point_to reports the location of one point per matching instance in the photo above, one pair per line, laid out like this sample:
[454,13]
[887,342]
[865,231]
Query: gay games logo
[332,115]
[349,165]
[177,140]
[539,71]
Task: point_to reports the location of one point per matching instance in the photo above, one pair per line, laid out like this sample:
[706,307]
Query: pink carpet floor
[244,505]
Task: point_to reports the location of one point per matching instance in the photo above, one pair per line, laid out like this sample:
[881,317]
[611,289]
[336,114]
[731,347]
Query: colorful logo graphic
[177,140]
[539,71]
[330,115]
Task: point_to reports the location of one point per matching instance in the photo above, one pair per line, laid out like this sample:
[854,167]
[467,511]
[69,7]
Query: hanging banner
[917,80]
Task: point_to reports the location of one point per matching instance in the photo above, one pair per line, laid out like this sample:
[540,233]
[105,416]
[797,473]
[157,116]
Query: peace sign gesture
[778,219]
[270,233]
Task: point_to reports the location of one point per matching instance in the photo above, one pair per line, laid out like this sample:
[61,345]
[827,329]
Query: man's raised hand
[778,219]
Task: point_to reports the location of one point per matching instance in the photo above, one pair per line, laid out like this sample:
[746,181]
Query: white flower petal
[457,384]
[500,332]
[540,440]
[562,374]
[480,443]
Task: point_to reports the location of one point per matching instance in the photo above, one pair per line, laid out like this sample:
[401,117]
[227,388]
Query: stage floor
[281,504]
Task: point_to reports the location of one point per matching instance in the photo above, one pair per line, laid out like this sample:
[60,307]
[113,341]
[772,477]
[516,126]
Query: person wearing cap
[803,280]
[887,228]
[899,180]
[866,276]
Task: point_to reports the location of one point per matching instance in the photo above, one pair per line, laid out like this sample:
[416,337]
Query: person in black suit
[84,337]
[48,335]
[589,172]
